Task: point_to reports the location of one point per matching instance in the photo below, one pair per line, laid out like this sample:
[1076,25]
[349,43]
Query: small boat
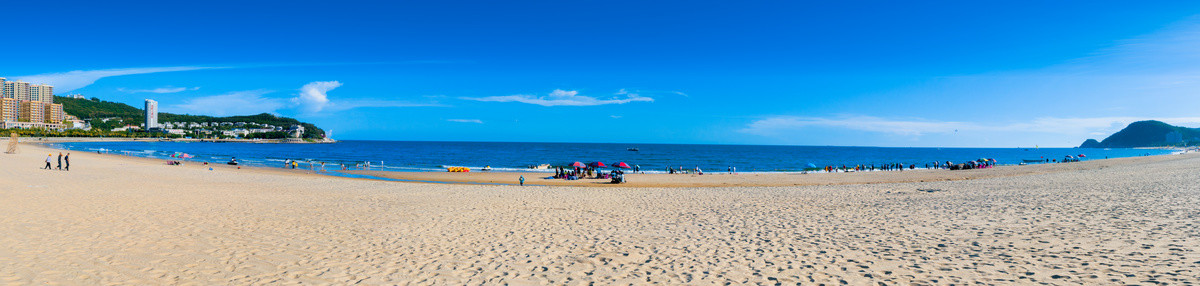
[487,168]
[634,149]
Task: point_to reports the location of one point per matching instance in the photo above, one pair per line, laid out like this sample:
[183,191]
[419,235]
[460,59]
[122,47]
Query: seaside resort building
[24,105]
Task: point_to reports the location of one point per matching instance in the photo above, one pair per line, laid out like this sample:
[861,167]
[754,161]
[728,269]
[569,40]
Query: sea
[425,156]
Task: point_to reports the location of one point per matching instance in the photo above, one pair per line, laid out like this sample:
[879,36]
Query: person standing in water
[522,180]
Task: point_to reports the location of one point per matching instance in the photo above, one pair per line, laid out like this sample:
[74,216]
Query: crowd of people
[577,173]
[978,164]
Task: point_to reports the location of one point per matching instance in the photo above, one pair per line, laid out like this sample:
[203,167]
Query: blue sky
[865,73]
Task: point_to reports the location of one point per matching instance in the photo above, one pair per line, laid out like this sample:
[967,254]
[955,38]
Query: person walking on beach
[522,180]
[67,159]
[59,161]
[48,158]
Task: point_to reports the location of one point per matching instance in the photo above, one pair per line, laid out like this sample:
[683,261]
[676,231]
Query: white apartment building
[151,114]
[18,90]
[42,93]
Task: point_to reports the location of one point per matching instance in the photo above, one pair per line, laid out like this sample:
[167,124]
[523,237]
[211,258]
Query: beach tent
[598,164]
[621,165]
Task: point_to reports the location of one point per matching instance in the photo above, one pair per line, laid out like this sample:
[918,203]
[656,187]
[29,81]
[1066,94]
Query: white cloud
[159,90]
[785,125]
[72,80]
[560,97]
[313,96]
[477,121]
[235,103]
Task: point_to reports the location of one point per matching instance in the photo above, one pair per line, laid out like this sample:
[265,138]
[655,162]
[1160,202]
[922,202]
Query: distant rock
[1090,143]
[1149,133]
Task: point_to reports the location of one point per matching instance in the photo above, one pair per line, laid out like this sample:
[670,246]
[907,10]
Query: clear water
[511,156]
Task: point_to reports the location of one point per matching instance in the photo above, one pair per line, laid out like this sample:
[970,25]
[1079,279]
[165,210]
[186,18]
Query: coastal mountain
[107,115]
[1149,133]
[1090,143]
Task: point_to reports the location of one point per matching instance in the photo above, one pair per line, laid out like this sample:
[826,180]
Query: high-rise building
[33,111]
[151,114]
[41,92]
[54,113]
[2,89]
[16,89]
[10,109]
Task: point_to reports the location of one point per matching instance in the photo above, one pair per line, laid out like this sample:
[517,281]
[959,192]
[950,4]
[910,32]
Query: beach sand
[119,220]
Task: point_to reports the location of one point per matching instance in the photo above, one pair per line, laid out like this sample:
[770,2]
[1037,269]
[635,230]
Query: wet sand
[119,220]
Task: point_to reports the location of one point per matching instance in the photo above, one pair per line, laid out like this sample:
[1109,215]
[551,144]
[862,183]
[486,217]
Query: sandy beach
[122,220]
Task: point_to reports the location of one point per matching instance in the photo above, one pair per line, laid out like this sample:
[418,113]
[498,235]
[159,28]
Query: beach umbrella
[598,164]
[621,165]
[577,165]
[1082,155]
[811,165]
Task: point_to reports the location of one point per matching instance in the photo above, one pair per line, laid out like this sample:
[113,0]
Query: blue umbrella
[811,165]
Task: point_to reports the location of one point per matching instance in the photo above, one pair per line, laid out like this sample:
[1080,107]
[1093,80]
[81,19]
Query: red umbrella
[622,165]
[577,165]
[598,164]
[1082,155]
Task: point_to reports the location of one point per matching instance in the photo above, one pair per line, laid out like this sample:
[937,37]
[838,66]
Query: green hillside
[95,110]
[1148,133]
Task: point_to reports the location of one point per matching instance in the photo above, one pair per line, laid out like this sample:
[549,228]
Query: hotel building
[11,109]
[33,111]
[23,105]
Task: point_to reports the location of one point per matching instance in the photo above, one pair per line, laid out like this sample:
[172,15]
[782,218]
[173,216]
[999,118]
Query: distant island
[1149,133]
[108,118]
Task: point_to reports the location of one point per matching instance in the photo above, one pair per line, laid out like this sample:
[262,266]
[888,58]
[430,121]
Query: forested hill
[1148,133]
[95,109]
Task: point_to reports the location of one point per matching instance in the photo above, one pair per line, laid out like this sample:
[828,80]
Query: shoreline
[657,180]
[35,139]
[778,179]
